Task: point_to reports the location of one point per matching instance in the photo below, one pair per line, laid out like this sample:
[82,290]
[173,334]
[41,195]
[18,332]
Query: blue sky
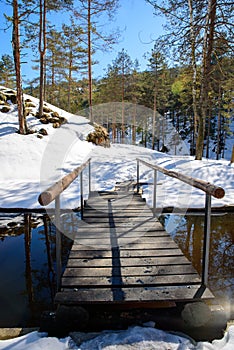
[134,17]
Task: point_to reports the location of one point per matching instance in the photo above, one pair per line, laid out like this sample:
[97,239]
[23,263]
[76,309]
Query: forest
[189,76]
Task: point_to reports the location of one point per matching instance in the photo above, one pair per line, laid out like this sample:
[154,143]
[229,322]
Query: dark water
[27,273]
[188,234]
[27,261]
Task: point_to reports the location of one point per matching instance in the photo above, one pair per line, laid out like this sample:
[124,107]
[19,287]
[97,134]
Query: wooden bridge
[121,253]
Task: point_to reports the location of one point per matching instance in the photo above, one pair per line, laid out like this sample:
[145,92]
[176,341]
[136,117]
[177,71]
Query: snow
[134,338]
[30,164]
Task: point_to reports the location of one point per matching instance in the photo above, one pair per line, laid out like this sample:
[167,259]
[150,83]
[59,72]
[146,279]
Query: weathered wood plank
[124,262]
[93,234]
[119,241]
[117,214]
[137,295]
[126,281]
[134,246]
[102,253]
[130,271]
[122,254]
[144,228]
[129,247]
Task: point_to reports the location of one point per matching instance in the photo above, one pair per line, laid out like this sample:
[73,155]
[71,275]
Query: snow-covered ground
[134,338]
[30,164]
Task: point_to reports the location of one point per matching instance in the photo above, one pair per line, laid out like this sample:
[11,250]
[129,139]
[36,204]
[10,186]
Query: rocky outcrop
[50,116]
[99,136]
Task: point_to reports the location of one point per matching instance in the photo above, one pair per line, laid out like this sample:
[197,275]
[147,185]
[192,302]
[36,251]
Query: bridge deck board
[122,254]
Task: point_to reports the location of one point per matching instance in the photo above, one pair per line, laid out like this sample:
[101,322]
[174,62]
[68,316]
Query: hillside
[31,163]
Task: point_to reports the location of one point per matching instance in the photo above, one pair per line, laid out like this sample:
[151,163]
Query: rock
[12,224]
[39,136]
[56,125]
[53,120]
[3,97]
[9,91]
[47,109]
[196,314]
[27,111]
[55,114]
[5,109]
[99,136]
[80,337]
[11,97]
[43,132]
[9,333]
[44,120]
[29,103]
[72,317]
[31,131]
[62,120]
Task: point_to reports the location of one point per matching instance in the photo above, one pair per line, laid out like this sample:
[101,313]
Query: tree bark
[90,64]
[205,75]
[42,51]
[16,54]
[194,66]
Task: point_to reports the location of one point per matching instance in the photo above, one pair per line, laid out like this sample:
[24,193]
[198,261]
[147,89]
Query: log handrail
[215,191]
[208,188]
[47,196]
[53,193]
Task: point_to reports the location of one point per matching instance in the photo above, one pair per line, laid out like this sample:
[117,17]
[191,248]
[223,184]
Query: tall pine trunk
[194,66]
[205,75]
[90,64]
[16,55]
[70,80]
[42,51]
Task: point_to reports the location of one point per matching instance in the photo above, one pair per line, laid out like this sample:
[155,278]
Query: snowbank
[30,164]
[134,338]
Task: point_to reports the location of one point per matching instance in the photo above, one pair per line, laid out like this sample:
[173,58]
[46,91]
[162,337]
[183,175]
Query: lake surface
[27,274]
[188,232]
[27,260]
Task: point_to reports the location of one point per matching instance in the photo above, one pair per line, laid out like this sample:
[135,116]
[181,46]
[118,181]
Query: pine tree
[91,12]
[193,26]
[75,57]
[17,61]
[7,72]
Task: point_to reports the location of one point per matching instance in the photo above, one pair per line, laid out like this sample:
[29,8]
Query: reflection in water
[27,274]
[27,260]
[189,236]
[28,267]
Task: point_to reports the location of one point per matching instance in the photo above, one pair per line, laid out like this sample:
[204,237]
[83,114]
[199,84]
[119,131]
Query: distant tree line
[189,77]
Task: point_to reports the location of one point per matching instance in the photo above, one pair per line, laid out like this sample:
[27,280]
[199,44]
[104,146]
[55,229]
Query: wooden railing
[207,187]
[53,194]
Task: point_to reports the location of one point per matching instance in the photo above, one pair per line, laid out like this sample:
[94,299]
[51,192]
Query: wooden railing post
[208,188]
[155,192]
[81,194]
[206,242]
[53,193]
[89,176]
[138,175]
[58,242]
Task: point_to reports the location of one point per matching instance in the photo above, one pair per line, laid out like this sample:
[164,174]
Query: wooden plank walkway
[122,254]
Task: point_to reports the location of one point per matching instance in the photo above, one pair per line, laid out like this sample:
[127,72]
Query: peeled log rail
[215,191]
[52,192]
